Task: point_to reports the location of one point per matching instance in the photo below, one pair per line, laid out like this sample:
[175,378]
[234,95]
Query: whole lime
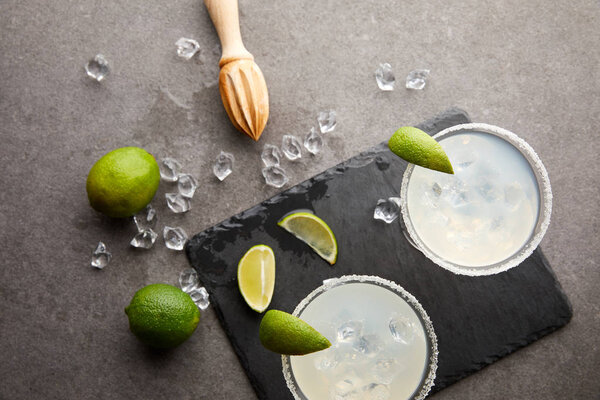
[123,182]
[162,316]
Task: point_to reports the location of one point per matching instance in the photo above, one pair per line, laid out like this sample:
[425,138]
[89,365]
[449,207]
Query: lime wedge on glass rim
[283,333]
[256,277]
[313,231]
[417,147]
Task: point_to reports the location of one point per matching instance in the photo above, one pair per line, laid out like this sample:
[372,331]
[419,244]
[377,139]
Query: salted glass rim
[427,380]
[543,221]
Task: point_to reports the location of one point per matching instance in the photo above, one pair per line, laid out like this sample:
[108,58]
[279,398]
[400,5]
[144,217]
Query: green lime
[256,277]
[162,316]
[283,333]
[123,182]
[313,231]
[417,147]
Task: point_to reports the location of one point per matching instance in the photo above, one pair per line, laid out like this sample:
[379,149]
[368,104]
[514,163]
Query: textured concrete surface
[531,67]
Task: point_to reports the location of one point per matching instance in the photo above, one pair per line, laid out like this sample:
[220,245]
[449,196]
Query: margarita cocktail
[383,343]
[487,217]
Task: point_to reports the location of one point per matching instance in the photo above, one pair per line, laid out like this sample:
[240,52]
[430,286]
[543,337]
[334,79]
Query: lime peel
[283,333]
[417,147]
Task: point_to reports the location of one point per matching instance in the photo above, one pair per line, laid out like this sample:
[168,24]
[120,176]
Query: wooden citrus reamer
[241,83]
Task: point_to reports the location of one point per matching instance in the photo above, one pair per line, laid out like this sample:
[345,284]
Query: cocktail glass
[490,215]
[383,343]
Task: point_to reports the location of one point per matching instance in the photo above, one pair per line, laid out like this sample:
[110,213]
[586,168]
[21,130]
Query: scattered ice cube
[188,280]
[145,219]
[385,77]
[349,331]
[101,257]
[417,79]
[178,203]
[387,210]
[376,391]
[224,165]
[270,155]
[170,169]
[175,238]
[200,297]
[187,48]
[144,239]
[402,330]
[275,176]
[313,142]
[291,147]
[186,184]
[97,68]
[327,121]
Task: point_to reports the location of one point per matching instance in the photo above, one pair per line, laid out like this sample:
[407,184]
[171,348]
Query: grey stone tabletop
[531,67]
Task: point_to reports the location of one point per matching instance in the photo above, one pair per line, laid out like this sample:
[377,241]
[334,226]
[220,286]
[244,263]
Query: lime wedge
[256,277]
[283,333]
[313,231]
[417,147]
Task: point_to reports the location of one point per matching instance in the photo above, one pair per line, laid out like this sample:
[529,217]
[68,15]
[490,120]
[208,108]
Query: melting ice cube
[346,388]
[101,257]
[325,361]
[417,79]
[349,331]
[513,195]
[369,345]
[376,391]
[313,142]
[224,165]
[175,238]
[97,68]
[385,369]
[385,77]
[402,330]
[187,48]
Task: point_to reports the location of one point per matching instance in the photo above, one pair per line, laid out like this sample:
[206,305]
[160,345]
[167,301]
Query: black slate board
[477,319]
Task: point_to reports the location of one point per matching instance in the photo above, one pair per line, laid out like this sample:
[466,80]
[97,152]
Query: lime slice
[256,277]
[283,333]
[313,231]
[417,147]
